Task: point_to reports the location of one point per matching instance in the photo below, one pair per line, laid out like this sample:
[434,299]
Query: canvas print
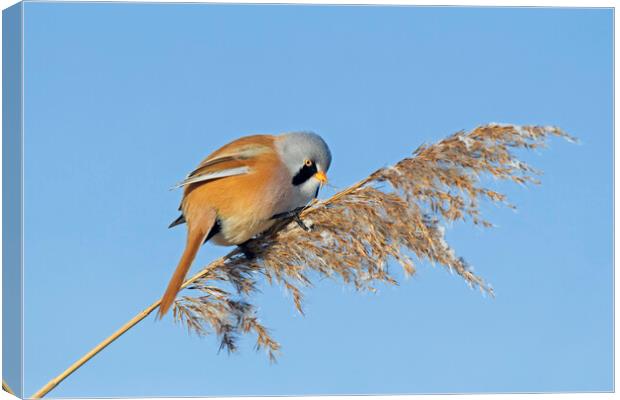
[277,199]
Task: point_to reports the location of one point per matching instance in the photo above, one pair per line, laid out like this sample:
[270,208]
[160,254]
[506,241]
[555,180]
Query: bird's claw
[249,254]
[294,214]
[301,223]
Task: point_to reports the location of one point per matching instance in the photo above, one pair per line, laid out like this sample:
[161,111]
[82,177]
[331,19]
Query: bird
[242,189]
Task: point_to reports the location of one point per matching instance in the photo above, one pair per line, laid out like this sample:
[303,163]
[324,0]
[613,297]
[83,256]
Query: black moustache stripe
[304,174]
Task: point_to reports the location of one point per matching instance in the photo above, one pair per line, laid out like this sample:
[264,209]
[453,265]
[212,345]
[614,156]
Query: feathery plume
[354,234]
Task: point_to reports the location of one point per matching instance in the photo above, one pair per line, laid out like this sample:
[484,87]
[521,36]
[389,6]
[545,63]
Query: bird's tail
[195,237]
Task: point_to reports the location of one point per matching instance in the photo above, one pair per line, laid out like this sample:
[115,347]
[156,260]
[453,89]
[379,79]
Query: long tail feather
[195,238]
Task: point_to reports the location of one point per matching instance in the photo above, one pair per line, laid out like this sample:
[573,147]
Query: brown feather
[197,231]
[243,203]
[233,154]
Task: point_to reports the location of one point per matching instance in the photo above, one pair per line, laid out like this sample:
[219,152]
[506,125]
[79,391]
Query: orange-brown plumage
[250,199]
[197,232]
[239,188]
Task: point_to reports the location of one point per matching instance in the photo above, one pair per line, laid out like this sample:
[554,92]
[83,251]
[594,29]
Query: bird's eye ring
[308,163]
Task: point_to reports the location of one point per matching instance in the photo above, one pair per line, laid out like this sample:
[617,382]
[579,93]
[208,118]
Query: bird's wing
[228,161]
[207,176]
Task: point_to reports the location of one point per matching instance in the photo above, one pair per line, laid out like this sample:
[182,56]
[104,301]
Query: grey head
[307,158]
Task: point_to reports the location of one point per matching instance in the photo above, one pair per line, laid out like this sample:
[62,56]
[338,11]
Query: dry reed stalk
[7,388]
[354,234]
[119,332]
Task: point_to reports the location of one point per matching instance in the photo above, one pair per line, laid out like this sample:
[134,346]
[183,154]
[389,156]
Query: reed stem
[442,178]
[7,388]
[105,343]
[147,311]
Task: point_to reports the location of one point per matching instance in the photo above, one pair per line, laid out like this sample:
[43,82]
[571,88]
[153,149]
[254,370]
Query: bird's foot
[249,254]
[301,223]
[294,214]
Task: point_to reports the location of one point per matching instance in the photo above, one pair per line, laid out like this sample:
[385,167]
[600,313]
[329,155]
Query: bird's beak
[321,177]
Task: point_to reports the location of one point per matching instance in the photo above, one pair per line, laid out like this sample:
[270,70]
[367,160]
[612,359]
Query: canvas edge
[12,198]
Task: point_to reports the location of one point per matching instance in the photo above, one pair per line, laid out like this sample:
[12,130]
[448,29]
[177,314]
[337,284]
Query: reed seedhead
[394,213]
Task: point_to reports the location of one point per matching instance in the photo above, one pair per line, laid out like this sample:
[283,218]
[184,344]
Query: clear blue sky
[122,100]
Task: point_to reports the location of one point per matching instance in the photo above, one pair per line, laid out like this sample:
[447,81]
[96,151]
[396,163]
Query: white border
[477,3]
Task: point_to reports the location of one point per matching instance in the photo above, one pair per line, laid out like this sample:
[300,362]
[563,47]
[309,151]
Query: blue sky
[122,100]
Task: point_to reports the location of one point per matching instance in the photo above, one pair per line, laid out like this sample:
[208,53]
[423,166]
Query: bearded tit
[240,190]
